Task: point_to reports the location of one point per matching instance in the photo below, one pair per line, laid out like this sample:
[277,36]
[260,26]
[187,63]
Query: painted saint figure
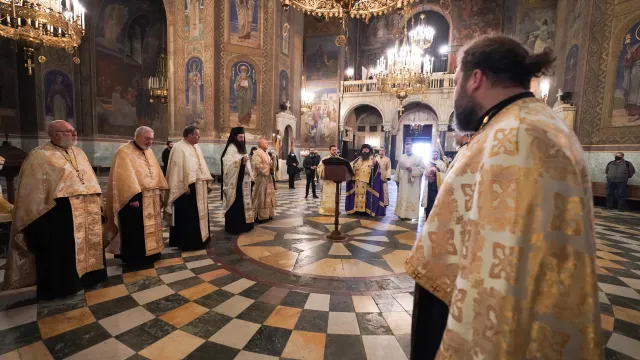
[194,18]
[631,81]
[58,99]
[194,82]
[244,96]
[244,8]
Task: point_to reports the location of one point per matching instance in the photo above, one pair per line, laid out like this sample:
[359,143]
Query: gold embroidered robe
[232,161]
[264,194]
[362,170]
[385,169]
[510,246]
[441,168]
[135,171]
[187,166]
[45,176]
[408,201]
[328,196]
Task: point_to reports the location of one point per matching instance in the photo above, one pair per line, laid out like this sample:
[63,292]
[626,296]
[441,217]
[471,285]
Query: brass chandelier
[35,23]
[360,9]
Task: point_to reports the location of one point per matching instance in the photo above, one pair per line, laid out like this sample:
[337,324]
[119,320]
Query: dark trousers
[429,320]
[617,190]
[432,193]
[311,180]
[292,178]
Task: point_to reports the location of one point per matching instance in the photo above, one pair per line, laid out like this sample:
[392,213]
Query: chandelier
[360,9]
[35,23]
[158,84]
[421,35]
[405,71]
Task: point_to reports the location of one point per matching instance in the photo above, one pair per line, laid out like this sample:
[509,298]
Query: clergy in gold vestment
[508,250]
[365,191]
[188,178]
[56,234]
[408,177]
[134,206]
[237,176]
[264,194]
[385,170]
[328,197]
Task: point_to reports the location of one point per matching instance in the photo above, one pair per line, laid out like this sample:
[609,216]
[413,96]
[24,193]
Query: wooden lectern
[337,169]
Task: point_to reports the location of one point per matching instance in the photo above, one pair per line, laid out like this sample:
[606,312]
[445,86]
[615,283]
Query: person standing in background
[385,169]
[165,156]
[292,168]
[618,172]
[310,165]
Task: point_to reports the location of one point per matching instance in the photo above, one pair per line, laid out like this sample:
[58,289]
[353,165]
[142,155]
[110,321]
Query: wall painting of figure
[321,58]
[320,123]
[243,95]
[571,69]
[244,21]
[194,91]
[284,87]
[626,101]
[58,96]
[193,26]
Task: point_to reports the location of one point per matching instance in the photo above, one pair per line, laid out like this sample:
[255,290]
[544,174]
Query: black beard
[466,117]
[366,156]
[242,149]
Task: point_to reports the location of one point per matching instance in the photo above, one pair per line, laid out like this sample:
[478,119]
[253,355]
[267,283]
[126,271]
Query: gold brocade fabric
[135,171]
[187,166]
[264,195]
[328,196]
[510,244]
[48,173]
[232,162]
[362,170]
[385,170]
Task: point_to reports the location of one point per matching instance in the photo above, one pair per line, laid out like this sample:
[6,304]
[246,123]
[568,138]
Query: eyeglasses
[72,131]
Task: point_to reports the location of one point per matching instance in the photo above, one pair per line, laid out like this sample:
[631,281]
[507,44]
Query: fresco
[243,96]
[58,96]
[284,32]
[536,26]
[571,69]
[129,39]
[320,123]
[244,22]
[194,91]
[284,87]
[321,58]
[193,25]
[473,18]
[626,101]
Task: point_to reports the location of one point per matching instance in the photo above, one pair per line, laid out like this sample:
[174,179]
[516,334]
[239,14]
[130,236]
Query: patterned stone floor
[279,292]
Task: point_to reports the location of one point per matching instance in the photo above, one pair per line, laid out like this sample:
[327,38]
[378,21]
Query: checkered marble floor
[189,305]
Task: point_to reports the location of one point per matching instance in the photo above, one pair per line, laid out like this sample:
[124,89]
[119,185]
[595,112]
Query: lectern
[337,169]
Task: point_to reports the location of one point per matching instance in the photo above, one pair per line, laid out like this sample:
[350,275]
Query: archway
[287,142]
[418,125]
[363,124]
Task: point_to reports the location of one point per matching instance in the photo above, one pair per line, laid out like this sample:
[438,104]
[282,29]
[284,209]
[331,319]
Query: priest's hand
[409,168]
[135,204]
[244,159]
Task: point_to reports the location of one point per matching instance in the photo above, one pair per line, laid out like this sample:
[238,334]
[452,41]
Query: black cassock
[133,249]
[429,319]
[186,234]
[234,219]
[52,240]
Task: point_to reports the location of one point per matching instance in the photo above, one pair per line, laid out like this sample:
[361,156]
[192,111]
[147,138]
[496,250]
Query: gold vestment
[263,195]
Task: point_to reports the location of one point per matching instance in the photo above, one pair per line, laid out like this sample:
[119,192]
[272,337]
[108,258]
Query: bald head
[262,144]
[62,134]
[144,137]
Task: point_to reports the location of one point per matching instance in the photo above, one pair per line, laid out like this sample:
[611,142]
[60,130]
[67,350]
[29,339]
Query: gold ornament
[42,59]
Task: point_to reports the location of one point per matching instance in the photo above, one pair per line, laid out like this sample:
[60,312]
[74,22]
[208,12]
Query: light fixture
[349,72]
[35,23]
[360,9]
[307,98]
[421,35]
[545,85]
[158,85]
[444,49]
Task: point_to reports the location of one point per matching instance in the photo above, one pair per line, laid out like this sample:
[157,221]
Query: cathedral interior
[301,80]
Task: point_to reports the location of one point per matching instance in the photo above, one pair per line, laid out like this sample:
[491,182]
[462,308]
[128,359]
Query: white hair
[142,130]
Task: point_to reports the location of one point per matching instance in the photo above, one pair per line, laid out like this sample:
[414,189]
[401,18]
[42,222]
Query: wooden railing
[437,81]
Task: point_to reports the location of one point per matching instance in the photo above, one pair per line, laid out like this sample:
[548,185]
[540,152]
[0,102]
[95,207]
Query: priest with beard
[189,179]
[56,234]
[505,266]
[365,192]
[236,184]
[134,204]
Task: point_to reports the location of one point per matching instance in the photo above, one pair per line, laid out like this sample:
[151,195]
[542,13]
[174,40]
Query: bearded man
[264,192]
[385,169]
[189,179]
[408,176]
[365,192]
[134,202]
[56,234]
[328,197]
[508,251]
[237,176]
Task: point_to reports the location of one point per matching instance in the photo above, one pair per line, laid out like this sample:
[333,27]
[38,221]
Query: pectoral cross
[29,65]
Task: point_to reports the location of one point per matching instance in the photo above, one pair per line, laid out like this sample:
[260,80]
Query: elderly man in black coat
[292,168]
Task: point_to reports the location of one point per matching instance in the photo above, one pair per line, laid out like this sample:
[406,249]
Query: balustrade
[437,81]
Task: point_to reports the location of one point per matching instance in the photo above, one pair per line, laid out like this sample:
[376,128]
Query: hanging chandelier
[35,23]
[360,9]
[421,35]
[405,71]
[158,88]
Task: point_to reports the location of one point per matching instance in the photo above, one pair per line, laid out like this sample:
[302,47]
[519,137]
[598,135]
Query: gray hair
[141,130]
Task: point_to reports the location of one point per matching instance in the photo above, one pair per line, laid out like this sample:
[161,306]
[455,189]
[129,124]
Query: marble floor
[280,292]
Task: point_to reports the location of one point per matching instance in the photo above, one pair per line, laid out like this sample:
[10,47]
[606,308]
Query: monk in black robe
[236,185]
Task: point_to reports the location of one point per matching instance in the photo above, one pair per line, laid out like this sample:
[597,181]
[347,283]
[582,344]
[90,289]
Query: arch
[354,106]
[354,118]
[407,107]
[409,115]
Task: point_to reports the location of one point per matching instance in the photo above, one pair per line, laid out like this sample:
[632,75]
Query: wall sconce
[545,85]
[349,72]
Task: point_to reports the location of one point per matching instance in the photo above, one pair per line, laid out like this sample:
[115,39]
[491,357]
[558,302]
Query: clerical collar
[59,147]
[138,146]
[495,109]
[463,145]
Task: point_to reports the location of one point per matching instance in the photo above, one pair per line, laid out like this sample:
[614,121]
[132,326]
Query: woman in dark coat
[292,168]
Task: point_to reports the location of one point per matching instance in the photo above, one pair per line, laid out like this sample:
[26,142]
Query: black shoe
[306,196]
[315,197]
